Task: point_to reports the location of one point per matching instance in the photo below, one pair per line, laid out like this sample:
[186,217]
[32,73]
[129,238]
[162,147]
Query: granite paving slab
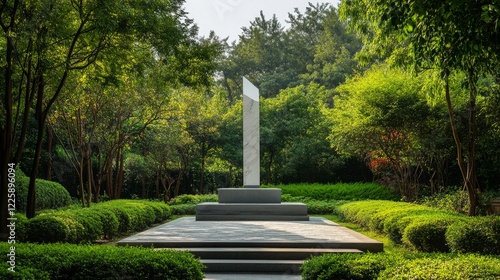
[318,232]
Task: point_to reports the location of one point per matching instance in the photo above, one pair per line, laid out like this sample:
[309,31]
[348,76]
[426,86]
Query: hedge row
[193,199]
[389,266]
[186,204]
[66,261]
[103,220]
[341,191]
[424,228]
[49,195]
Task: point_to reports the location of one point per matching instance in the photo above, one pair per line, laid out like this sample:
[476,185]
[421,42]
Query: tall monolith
[251,135]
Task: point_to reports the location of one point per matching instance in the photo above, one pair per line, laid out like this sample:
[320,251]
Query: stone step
[249,195]
[252,266]
[263,253]
[212,211]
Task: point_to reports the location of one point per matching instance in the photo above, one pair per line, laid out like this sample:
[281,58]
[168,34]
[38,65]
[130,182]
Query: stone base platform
[254,246]
[213,211]
[249,195]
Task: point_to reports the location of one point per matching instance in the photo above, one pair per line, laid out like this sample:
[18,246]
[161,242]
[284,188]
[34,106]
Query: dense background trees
[136,104]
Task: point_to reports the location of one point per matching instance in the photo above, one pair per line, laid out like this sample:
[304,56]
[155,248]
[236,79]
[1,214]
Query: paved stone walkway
[187,230]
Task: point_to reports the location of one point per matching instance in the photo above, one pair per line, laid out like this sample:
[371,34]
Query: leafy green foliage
[103,220]
[344,266]
[389,266]
[477,235]
[23,273]
[386,115]
[445,267]
[65,261]
[183,209]
[425,229]
[49,195]
[428,233]
[340,191]
[193,199]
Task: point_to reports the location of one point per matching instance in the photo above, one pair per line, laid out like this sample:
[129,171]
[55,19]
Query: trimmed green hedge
[424,228]
[103,220]
[389,266]
[66,261]
[183,209]
[49,195]
[193,199]
[443,267]
[341,191]
[344,266]
[476,235]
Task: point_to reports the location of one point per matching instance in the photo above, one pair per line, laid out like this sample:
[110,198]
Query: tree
[385,116]
[448,35]
[333,50]
[260,55]
[43,42]
[293,135]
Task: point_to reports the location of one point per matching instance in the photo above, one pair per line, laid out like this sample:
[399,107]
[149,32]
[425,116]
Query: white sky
[227,17]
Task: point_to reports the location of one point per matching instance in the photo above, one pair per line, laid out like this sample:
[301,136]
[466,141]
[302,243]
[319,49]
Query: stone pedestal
[251,204]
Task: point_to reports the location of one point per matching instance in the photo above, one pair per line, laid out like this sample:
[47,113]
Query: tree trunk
[88,158]
[202,174]
[41,117]
[50,138]
[471,182]
[468,172]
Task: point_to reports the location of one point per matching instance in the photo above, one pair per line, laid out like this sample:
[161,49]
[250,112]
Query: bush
[109,222]
[22,273]
[344,266]
[475,235]
[428,234]
[21,227]
[407,266]
[64,261]
[86,225]
[47,229]
[184,209]
[353,191]
[49,195]
[193,199]
[445,268]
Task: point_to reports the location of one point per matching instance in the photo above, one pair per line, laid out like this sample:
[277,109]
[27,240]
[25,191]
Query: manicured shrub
[184,209]
[104,220]
[65,261]
[21,227]
[91,222]
[22,273]
[441,267]
[162,210]
[49,195]
[109,221]
[428,234]
[361,212]
[475,235]
[395,225]
[47,229]
[341,191]
[344,266]
[124,220]
[193,199]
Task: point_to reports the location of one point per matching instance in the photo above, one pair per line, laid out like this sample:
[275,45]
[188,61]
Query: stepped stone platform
[254,246]
[251,204]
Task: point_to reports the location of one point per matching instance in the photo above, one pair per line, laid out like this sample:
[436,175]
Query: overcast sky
[227,17]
